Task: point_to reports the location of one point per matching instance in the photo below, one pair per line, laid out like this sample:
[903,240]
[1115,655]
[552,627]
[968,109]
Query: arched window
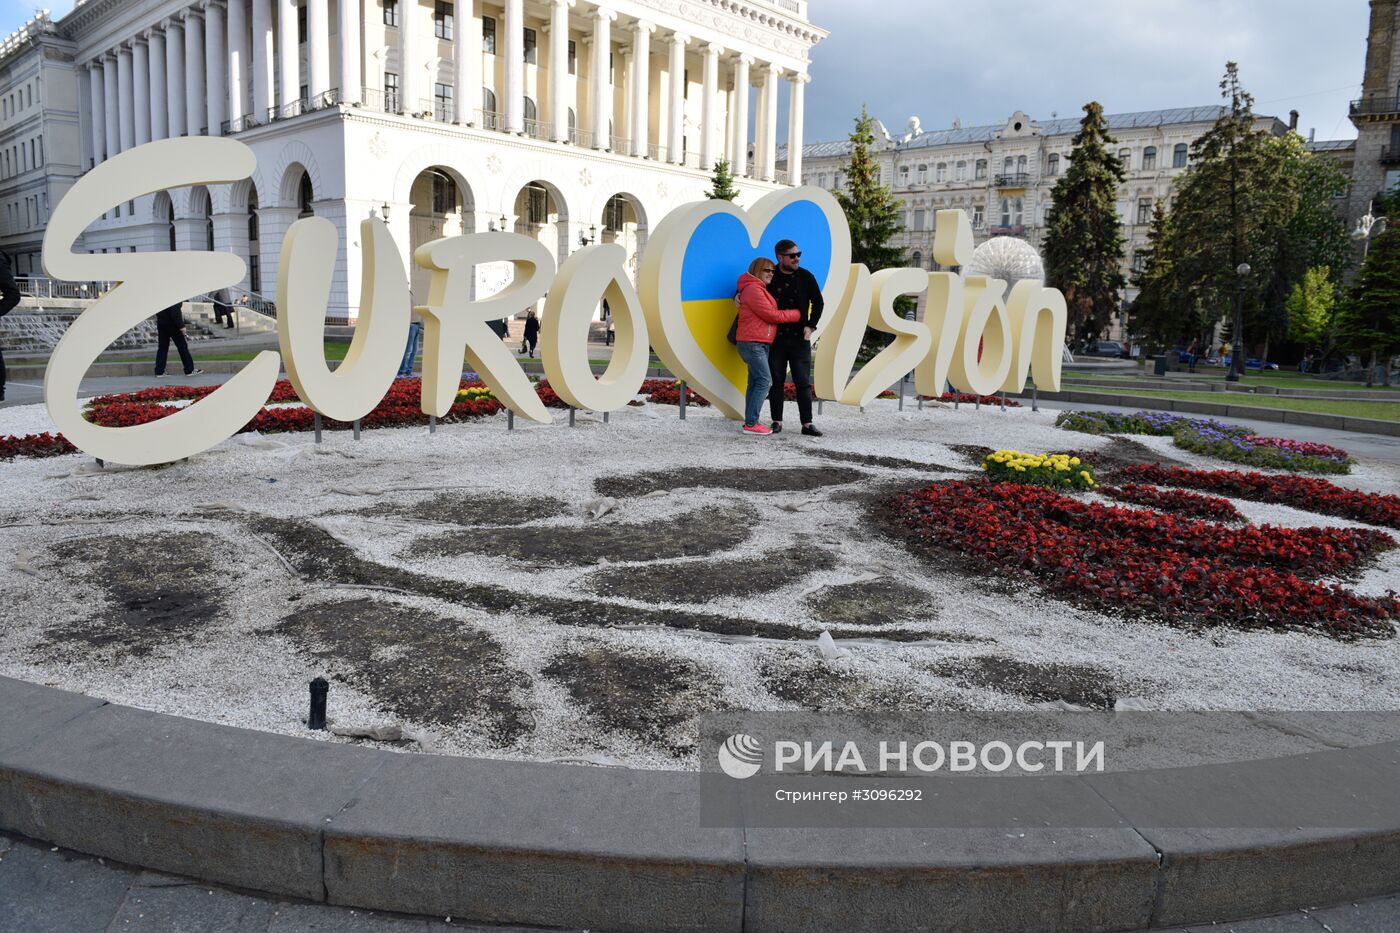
[1126,157]
[904,176]
[573,125]
[531,111]
[941,174]
[961,173]
[923,174]
[1007,165]
[980,170]
[170,223]
[208,209]
[1179,156]
[488,100]
[1052,164]
[254,257]
[1149,159]
[1021,164]
[305,196]
[917,259]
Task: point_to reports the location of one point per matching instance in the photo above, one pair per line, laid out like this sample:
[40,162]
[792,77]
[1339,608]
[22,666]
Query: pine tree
[1154,314]
[875,218]
[1370,320]
[722,185]
[1084,238]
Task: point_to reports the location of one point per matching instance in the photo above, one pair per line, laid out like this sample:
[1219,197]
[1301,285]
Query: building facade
[39,136]
[1002,175]
[1375,154]
[567,120]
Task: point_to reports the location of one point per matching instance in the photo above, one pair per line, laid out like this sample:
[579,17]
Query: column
[238,64]
[600,81]
[794,160]
[288,59]
[348,24]
[514,104]
[111,107]
[739,157]
[622,122]
[160,117]
[318,46]
[770,119]
[195,115]
[759,126]
[709,104]
[175,76]
[215,50]
[408,58]
[263,58]
[559,70]
[641,86]
[141,90]
[97,102]
[126,100]
[675,112]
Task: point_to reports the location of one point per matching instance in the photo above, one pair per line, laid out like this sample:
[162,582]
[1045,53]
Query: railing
[537,129]
[1390,155]
[245,122]
[619,144]
[443,111]
[780,178]
[1008,230]
[656,153]
[38,286]
[1376,105]
[374,98]
[691,160]
[581,138]
[490,119]
[1013,180]
[305,105]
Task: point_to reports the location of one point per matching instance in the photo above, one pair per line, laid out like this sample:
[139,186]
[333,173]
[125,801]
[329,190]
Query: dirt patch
[1122,452]
[973,452]
[782,479]
[1036,683]
[816,685]
[420,665]
[702,581]
[158,590]
[871,602]
[644,696]
[887,463]
[697,533]
[452,509]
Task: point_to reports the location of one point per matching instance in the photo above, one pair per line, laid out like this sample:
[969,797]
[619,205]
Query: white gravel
[234,672]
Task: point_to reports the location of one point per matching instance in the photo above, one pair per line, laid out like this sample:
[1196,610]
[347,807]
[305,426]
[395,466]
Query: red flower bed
[967,398]
[1301,492]
[664,392]
[399,407]
[1157,566]
[547,395]
[1190,504]
[34,445]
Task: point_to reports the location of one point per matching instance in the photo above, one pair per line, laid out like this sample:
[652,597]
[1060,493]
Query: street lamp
[1237,359]
[586,239]
[1367,226]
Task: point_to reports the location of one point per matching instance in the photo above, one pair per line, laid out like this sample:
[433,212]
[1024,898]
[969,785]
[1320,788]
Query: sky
[980,62]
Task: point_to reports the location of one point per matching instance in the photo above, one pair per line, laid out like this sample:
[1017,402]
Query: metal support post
[680,384]
[316,425]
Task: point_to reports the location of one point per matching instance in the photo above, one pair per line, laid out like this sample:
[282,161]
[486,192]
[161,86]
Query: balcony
[438,109]
[1376,108]
[1013,180]
[305,105]
[1390,155]
[1008,230]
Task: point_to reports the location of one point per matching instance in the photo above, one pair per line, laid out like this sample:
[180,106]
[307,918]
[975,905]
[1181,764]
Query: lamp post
[586,239]
[1237,357]
[1367,226]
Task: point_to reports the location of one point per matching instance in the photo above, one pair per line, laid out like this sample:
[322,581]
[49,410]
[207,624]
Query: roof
[1331,145]
[1057,127]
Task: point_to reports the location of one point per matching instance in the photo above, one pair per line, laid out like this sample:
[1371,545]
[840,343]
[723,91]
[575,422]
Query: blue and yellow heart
[719,251]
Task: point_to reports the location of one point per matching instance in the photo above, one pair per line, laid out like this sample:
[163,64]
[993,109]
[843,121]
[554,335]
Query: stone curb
[619,849]
[1226,410]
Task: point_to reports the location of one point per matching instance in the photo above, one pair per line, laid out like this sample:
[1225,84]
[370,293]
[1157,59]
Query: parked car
[1251,362]
[1113,349]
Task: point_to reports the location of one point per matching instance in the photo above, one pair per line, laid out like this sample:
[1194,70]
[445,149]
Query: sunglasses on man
[797,255]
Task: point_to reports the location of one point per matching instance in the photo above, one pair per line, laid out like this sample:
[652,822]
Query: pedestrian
[532,332]
[223,308]
[9,297]
[793,288]
[170,328]
[410,350]
[754,331]
[607,324]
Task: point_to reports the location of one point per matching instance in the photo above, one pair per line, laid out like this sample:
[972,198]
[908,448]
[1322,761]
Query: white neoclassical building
[568,120]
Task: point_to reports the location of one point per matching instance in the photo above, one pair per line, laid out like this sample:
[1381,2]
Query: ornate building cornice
[761,26]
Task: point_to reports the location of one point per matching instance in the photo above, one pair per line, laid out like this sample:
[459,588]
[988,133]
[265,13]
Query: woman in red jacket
[758,317]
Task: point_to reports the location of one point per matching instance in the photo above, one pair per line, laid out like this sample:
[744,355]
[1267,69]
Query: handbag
[734,331]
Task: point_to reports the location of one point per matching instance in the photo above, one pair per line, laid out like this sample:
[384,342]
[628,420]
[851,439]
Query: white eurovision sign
[974,334]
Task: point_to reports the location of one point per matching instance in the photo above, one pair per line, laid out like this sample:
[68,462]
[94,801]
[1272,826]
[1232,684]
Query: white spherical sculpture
[1007,258]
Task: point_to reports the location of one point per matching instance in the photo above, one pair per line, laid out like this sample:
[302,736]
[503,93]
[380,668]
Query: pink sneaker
[756,429]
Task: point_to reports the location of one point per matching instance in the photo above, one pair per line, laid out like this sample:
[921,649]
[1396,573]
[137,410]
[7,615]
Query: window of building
[821,179]
[917,260]
[1012,212]
[904,175]
[1021,164]
[444,193]
[442,20]
[305,196]
[391,12]
[531,41]
[573,124]
[941,173]
[1179,156]
[573,57]
[979,216]
[488,100]
[960,174]
[33,154]
[536,205]
[918,219]
[391,92]
[532,113]
[1144,215]
[1052,164]
[488,35]
[442,103]
[1007,165]
[1149,159]
[1006,212]
[923,174]
[1126,157]
[615,213]
[301,24]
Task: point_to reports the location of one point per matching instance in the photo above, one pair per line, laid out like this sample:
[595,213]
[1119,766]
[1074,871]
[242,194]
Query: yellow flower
[1074,460]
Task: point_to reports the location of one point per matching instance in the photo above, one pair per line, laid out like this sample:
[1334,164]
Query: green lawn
[1278,380]
[1363,408]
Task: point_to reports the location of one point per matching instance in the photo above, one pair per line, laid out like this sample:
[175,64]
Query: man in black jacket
[170,326]
[9,297]
[793,287]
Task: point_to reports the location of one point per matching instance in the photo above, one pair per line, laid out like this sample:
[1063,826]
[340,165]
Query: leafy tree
[1084,237]
[1310,307]
[722,185]
[1370,319]
[1154,313]
[875,218]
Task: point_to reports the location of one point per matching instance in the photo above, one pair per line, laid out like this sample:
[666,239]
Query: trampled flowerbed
[1214,439]
[34,445]
[1184,572]
[967,398]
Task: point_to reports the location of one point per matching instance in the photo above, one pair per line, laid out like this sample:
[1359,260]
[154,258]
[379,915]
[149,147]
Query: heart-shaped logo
[692,265]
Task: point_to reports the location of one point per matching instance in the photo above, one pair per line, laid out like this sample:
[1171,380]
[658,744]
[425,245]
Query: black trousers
[797,354]
[163,351]
[2,375]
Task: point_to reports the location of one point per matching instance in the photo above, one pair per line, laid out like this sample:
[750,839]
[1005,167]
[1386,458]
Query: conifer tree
[1084,237]
[1154,314]
[722,185]
[1370,321]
